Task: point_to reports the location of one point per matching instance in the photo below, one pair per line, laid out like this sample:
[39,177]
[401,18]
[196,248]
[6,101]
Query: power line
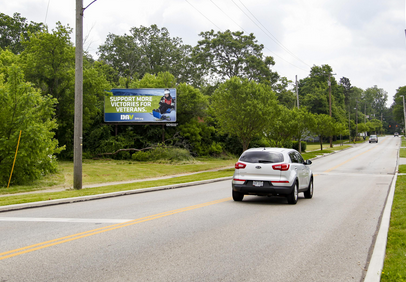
[273,37]
[243,30]
[248,33]
[203,15]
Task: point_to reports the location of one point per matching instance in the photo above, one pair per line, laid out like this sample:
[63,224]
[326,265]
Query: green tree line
[229,97]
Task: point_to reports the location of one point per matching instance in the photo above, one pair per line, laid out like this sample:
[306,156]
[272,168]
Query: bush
[24,109]
[295,145]
[163,154]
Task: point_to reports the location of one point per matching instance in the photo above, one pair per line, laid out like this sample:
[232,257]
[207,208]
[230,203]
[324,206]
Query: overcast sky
[363,40]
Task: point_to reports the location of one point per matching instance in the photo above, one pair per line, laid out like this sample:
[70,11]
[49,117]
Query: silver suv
[272,172]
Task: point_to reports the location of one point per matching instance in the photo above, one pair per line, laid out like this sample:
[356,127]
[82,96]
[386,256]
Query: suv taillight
[282,167]
[240,165]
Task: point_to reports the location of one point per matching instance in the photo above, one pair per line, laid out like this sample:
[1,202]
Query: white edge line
[378,255]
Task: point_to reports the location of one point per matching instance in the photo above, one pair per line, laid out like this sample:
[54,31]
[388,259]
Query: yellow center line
[337,166]
[73,237]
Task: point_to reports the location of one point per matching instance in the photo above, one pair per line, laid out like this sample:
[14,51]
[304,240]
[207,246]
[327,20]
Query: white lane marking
[73,220]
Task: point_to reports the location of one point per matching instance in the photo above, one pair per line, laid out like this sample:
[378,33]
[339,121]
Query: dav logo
[126,117]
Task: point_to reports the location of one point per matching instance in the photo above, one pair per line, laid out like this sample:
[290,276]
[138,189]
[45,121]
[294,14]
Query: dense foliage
[228,96]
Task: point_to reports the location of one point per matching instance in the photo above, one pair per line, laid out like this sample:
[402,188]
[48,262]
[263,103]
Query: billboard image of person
[166,105]
[141,105]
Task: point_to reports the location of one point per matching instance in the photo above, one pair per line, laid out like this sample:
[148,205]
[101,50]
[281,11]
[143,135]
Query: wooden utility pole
[329,103]
[297,93]
[78,139]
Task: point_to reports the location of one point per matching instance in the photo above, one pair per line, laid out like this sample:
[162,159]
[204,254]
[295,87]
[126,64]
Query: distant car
[272,172]
[373,138]
[396,134]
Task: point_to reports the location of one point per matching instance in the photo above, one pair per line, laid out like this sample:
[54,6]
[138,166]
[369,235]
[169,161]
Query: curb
[377,259]
[378,255]
[106,195]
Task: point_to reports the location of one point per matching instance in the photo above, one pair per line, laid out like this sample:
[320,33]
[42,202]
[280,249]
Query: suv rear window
[261,157]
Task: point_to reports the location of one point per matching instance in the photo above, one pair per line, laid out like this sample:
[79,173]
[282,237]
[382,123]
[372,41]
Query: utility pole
[329,102]
[78,125]
[297,93]
[356,121]
[404,115]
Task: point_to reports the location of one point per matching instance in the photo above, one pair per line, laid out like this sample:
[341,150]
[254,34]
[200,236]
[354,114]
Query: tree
[244,108]
[398,110]
[279,132]
[12,29]
[302,123]
[147,50]
[25,109]
[374,125]
[49,63]
[223,55]
[323,126]
[314,93]
[376,98]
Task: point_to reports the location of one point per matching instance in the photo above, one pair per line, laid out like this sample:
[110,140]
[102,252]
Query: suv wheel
[292,197]
[309,193]
[237,196]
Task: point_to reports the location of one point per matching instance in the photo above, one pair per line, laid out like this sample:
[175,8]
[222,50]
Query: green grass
[395,260]
[402,153]
[27,198]
[102,171]
[402,169]
[326,150]
[403,142]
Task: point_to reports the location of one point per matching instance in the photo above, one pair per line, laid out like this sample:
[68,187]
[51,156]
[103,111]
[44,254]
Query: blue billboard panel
[157,105]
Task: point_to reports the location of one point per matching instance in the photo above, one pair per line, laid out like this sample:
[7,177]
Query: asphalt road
[199,234]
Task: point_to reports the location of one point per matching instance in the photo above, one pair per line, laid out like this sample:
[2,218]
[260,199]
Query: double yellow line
[73,237]
[347,161]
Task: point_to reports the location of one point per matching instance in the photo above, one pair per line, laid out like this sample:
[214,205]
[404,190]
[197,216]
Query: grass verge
[313,154]
[28,198]
[395,259]
[103,171]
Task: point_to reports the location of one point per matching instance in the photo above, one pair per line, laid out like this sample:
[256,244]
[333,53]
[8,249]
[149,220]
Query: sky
[363,40]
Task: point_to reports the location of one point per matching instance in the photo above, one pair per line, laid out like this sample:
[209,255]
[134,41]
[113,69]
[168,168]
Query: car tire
[292,197]
[309,193]
[237,196]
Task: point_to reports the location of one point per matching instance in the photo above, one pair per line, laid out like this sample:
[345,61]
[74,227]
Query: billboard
[152,105]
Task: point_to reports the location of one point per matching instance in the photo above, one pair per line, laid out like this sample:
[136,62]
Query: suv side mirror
[308,162]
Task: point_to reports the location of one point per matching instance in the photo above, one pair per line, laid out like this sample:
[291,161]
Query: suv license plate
[258,183]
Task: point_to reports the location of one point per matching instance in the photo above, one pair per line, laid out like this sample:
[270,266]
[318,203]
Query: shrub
[163,154]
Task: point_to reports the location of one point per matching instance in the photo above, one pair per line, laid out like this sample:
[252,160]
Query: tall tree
[244,108]
[302,124]
[323,126]
[314,92]
[377,98]
[13,29]
[398,109]
[24,109]
[223,55]
[147,50]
